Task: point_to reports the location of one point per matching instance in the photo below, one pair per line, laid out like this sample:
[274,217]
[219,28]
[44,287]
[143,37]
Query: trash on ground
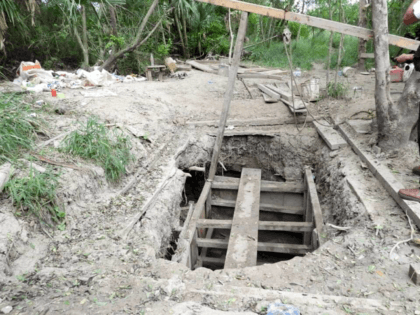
[98,93]
[32,77]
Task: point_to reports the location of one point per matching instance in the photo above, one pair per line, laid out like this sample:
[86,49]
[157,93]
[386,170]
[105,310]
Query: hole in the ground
[284,227]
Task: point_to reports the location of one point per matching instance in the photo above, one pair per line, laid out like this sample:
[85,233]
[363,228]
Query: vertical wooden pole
[362,42]
[229,93]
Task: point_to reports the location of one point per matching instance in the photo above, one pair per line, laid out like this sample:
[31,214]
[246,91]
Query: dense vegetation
[78,33]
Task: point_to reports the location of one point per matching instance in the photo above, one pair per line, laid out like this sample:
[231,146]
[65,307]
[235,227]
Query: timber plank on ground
[269,92]
[242,248]
[314,204]
[331,137]
[251,122]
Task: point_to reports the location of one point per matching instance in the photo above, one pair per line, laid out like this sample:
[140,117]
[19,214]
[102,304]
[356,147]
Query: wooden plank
[314,202]
[242,249]
[284,93]
[329,25]
[235,133]
[295,249]
[260,75]
[229,93]
[331,137]
[232,183]
[201,67]
[299,107]
[269,92]
[308,216]
[250,122]
[213,260]
[268,99]
[385,177]
[367,55]
[263,207]
[262,225]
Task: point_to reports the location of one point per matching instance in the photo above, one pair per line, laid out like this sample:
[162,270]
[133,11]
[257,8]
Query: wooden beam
[262,225]
[314,203]
[329,25]
[263,207]
[242,248]
[232,183]
[251,122]
[229,93]
[260,76]
[294,249]
[269,92]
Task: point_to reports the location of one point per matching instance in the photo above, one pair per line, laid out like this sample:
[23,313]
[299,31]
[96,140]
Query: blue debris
[282,309]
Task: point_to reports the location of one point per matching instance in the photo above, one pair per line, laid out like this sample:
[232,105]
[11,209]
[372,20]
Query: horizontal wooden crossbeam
[262,225]
[294,249]
[329,25]
[263,206]
[231,183]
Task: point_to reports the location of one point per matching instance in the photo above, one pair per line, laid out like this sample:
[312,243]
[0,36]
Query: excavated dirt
[99,266]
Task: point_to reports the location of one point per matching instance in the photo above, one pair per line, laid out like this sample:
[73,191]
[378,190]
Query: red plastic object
[396,74]
[54,93]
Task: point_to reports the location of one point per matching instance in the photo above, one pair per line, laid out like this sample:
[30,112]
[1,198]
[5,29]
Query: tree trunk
[178,26]
[329,46]
[113,19]
[184,22]
[137,41]
[85,41]
[392,128]
[300,25]
[362,42]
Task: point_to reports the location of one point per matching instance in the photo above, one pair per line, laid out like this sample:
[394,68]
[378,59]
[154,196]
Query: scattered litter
[6,309]
[178,75]
[349,71]
[282,309]
[310,89]
[171,64]
[365,73]
[297,72]
[340,73]
[40,102]
[53,93]
[396,74]
[61,95]
[32,115]
[230,127]
[33,77]
[210,82]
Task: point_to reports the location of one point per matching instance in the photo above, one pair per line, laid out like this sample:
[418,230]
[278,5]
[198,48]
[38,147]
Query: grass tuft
[338,90]
[36,194]
[17,127]
[109,148]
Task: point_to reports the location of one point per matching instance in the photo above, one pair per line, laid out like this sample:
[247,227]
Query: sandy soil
[92,268]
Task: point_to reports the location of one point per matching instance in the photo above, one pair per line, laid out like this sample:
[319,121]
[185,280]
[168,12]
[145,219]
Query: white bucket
[310,89]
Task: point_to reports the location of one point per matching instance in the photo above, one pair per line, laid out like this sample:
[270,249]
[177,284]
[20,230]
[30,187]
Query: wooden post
[229,93]
[362,42]
[149,74]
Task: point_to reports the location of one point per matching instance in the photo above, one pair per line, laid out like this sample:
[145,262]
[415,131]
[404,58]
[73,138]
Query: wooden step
[294,249]
[263,206]
[262,225]
[242,248]
[232,183]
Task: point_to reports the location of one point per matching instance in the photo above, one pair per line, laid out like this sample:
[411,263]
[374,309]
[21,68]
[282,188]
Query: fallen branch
[138,216]
[197,169]
[39,146]
[242,80]
[405,241]
[340,228]
[47,160]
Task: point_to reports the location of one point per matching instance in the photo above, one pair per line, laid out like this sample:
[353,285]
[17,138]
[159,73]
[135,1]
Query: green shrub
[109,148]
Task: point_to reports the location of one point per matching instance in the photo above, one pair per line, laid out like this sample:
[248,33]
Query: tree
[362,42]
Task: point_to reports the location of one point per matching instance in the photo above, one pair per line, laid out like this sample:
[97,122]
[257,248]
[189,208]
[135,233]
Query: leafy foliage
[108,148]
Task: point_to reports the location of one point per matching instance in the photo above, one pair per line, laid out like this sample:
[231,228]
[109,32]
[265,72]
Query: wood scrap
[200,66]
[283,90]
[47,160]
[260,75]
[36,167]
[5,172]
[124,233]
[269,92]
[251,122]
[197,169]
[268,99]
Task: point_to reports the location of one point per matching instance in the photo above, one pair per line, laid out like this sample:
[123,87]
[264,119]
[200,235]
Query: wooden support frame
[230,183]
[263,207]
[316,213]
[330,25]
[294,249]
[262,225]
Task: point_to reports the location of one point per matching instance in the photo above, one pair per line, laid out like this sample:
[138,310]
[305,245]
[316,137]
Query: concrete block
[414,273]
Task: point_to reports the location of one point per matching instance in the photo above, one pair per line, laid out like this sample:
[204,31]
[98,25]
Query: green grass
[17,127]
[108,148]
[338,90]
[306,51]
[36,194]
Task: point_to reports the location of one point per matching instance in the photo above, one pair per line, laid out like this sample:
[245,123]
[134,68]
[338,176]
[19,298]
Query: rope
[293,98]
